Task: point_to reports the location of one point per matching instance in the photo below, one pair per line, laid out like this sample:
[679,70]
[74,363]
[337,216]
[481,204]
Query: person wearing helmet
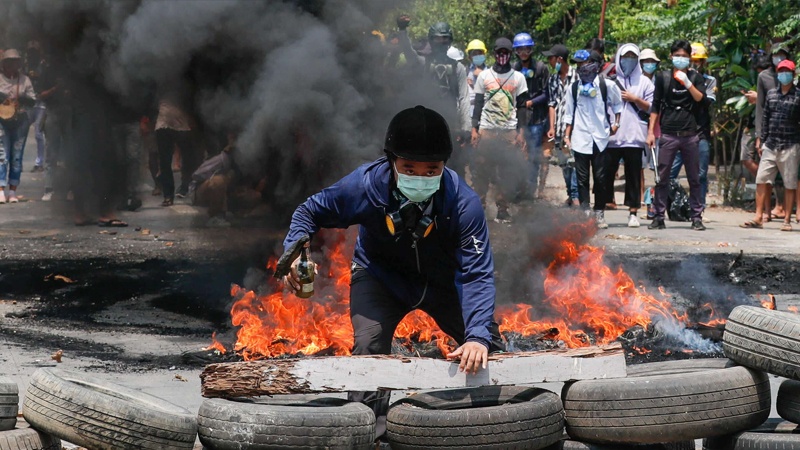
[498,125]
[448,76]
[423,243]
[17,96]
[537,76]
[699,59]
[476,52]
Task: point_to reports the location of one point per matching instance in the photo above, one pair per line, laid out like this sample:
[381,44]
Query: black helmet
[419,134]
[440,29]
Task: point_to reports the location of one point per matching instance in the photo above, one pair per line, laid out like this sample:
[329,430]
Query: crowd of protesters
[591,113]
[512,113]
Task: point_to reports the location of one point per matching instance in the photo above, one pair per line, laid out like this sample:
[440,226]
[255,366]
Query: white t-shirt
[500,92]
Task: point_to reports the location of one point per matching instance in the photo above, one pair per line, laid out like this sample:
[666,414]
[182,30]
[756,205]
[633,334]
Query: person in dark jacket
[423,243]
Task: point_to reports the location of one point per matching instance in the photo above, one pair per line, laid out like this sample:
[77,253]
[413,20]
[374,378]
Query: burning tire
[9,404]
[28,439]
[764,339]
[788,403]
[667,408]
[297,422]
[83,411]
[492,417]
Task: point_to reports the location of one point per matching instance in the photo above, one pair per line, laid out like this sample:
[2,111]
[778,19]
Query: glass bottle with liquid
[305,271]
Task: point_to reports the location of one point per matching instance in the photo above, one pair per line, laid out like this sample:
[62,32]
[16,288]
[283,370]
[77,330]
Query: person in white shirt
[17,95]
[589,128]
[497,127]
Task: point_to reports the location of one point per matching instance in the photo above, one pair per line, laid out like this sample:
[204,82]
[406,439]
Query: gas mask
[588,90]
[410,217]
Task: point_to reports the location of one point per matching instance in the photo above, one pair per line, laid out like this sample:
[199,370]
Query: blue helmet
[523,40]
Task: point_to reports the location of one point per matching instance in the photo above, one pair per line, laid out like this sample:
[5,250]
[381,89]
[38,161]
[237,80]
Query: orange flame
[585,303]
[215,344]
[769,302]
[792,309]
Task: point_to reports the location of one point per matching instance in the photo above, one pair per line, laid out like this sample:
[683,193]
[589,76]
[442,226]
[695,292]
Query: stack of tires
[13,437]
[81,410]
[766,340]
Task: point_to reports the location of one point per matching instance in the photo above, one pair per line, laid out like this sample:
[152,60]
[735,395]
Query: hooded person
[628,144]
[423,243]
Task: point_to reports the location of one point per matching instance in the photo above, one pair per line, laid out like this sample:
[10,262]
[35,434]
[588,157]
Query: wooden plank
[382,372]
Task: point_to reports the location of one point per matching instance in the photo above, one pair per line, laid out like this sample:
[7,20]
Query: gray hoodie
[632,131]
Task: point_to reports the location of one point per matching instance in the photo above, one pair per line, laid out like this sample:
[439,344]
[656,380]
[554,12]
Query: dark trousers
[375,313]
[632,160]
[596,162]
[671,145]
[166,140]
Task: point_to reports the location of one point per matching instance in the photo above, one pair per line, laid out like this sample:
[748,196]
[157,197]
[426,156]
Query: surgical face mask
[785,78]
[627,65]
[502,58]
[680,62]
[650,67]
[558,67]
[417,188]
[479,60]
[777,60]
[587,72]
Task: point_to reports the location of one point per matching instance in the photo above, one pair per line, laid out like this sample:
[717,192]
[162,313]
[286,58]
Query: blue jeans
[534,135]
[13,134]
[705,157]
[570,176]
[36,117]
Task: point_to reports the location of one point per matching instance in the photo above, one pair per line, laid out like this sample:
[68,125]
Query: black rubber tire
[296,422]
[754,441]
[764,339]
[666,408]
[489,417]
[679,366]
[9,404]
[100,415]
[28,439]
[575,445]
[788,402]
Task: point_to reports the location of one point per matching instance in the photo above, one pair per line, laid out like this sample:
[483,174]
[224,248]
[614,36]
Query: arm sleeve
[412,58]
[569,109]
[711,90]
[699,83]
[521,95]
[543,97]
[614,98]
[336,206]
[551,94]
[463,98]
[475,277]
[477,111]
[29,93]
[761,99]
[765,121]
[658,93]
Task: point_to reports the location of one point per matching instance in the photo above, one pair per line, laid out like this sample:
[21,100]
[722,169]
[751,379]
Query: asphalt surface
[134,334]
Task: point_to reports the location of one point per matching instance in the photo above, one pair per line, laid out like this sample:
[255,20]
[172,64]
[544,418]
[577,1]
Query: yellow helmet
[476,44]
[699,51]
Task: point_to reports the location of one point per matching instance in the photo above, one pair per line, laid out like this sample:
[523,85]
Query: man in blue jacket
[423,242]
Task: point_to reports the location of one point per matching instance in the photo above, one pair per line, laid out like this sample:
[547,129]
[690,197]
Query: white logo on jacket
[478,245]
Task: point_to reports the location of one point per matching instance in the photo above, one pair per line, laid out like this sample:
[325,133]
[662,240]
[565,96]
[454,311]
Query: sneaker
[633,222]
[657,224]
[47,196]
[217,222]
[599,217]
[12,197]
[697,225]
[2,196]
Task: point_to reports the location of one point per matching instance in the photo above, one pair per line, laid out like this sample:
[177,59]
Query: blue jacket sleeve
[337,206]
[475,277]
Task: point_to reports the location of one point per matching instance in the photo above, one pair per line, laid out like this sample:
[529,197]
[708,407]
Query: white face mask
[417,188]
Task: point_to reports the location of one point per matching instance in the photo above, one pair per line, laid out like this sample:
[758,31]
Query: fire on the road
[583,297]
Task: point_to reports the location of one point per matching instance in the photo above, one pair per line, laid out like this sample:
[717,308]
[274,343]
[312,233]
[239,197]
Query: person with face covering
[17,96]
[679,94]
[628,143]
[423,243]
[498,126]
[476,52]
[780,145]
[589,129]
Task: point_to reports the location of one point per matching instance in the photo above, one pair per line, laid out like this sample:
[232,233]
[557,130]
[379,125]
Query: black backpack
[603,93]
